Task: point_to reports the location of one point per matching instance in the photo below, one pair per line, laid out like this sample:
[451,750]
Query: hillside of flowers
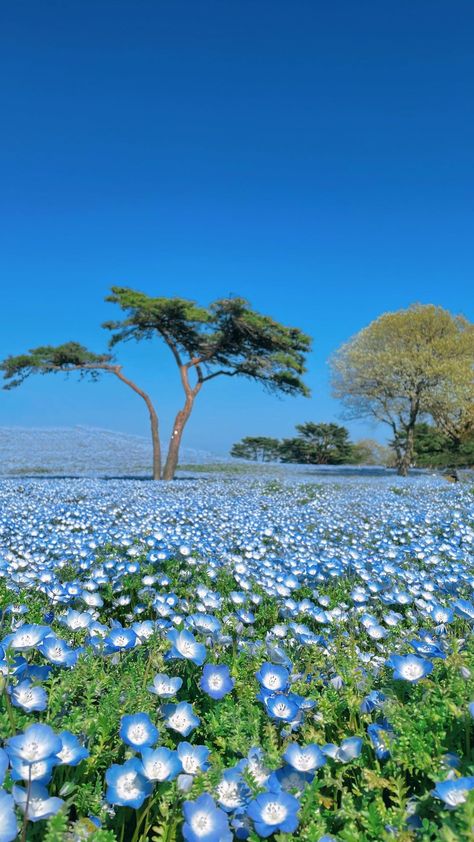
[236,658]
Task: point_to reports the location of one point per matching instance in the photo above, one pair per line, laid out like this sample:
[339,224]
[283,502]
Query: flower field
[236,657]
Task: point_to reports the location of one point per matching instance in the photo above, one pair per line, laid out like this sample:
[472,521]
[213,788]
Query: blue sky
[313,157]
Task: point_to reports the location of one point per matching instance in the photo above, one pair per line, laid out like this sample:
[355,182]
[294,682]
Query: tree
[71,357]
[400,366]
[226,339]
[433,448]
[327,444]
[370,452]
[318,444]
[257,449]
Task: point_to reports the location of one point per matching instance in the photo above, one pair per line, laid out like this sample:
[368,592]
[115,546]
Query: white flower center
[215,682]
[127,787]
[273,813]
[137,734]
[190,764]
[201,823]
[412,671]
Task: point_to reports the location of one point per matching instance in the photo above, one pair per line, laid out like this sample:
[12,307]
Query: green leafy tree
[318,444]
[257,449]
[433,448]
[371,452]
[401,367]
[226,339]
[73,357]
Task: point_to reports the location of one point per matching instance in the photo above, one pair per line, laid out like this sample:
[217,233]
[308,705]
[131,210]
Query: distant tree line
[316,444]
[330,444]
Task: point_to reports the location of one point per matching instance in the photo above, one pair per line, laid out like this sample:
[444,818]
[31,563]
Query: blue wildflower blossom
[180,718]
[137,730]
[8,823]
[37,742]
[274,811]
[36,802]
[72,751]
[349,750]
[29,697]
[409,667]
[216,681]
[165,686]
[127,785]
[273,677]
[380,735]
[453,792]
[304,758]
[204,821]
[185,646]
[282,708]
[160,764]
[4,760]
[193,759]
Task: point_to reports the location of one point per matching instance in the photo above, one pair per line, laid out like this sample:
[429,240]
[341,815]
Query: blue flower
[137,730]
[29,697]
[409,667]
[232,791]
[165,686]
[160,764]
[380,735]
[304,758]
[8,825]
[193,758]
[216,681]
[204,821]
[453,792]
[41,771]
[347,751]
[282,708]
[26,637]
[38,742]
[373,700]
[273,677]
[185,646]
[37,803]
[126,784]
[72,751]
[3,765]
[120,639]
[58,652]
[272,811]
[180,718]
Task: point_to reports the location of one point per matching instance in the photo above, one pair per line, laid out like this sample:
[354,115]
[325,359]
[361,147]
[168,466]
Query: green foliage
[49,359]
[257,449]
[435,449]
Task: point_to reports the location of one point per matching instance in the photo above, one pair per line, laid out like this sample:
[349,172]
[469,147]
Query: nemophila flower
[274,811]
[282,708]
[58,652]
[185,646]
[180,718]
[349,750]
[72,751]
[204,821]
[381,734]
[76,620]
[256,766]
[120,639]
[441,614]
[216,681]
[304,758]
[127,785]
[273,677]
[36,802]
[373,700]
[289,779]
[165,686]
[8,823]
[137,730]
[38,742]
[453,792]
[160,764]
[205,623]
[41,771]
[4,761]
[232,792]
[26,637]
[409,667]
[193,758]
[429,650]
[29,697]
[464,609]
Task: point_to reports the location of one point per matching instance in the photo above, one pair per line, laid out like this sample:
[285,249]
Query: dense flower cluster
[265,647]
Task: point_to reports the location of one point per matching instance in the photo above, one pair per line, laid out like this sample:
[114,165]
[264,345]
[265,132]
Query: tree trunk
[405,454]
[175,440]
[155,435]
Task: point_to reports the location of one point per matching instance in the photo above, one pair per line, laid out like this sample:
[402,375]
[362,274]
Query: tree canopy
[401,367]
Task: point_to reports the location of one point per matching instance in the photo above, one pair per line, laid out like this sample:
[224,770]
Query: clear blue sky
[315,157]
